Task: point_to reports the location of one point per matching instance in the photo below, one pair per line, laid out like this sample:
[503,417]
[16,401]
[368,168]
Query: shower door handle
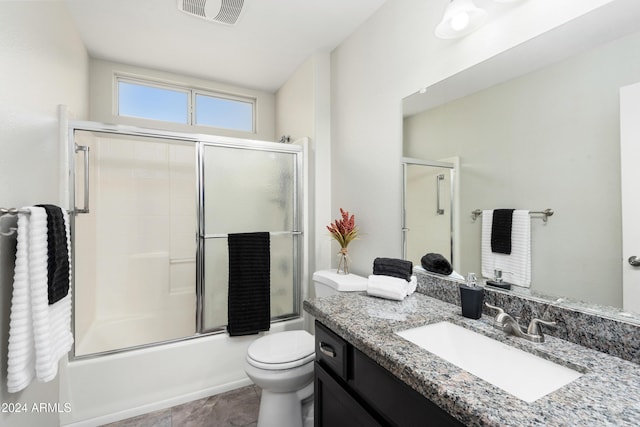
[439,178]
[85,152]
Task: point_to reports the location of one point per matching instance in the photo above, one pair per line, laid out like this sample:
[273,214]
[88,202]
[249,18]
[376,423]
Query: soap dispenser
[471,297]
[497,282]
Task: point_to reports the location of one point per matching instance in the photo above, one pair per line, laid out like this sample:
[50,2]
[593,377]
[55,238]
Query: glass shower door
[135,250]
[427,210]
[249,190]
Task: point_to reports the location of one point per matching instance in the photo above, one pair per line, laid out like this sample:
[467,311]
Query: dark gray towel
[249,304]
[436,263]
[501,231]
[57,253]
[393,267]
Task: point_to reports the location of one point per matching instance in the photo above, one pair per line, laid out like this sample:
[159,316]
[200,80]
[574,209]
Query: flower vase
[343,261]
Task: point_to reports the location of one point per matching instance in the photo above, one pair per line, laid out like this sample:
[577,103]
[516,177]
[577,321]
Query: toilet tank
[329,282]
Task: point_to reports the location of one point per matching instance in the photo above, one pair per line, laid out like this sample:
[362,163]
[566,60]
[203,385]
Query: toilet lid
[282,350]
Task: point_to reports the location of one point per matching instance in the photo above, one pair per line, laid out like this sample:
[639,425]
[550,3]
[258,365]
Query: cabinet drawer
[331,351]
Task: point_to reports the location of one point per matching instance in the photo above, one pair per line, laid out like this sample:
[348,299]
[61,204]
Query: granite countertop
[607,394]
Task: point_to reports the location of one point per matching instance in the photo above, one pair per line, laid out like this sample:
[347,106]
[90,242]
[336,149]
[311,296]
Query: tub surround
[605,331]
[608,393]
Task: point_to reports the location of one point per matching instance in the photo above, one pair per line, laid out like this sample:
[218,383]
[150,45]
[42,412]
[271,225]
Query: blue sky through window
[156,103]
[224,113]
[172,105]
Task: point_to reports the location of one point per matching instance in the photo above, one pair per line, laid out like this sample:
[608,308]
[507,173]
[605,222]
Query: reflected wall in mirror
[548,139]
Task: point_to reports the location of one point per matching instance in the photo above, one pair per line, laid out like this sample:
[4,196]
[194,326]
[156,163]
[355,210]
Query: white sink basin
[522,374]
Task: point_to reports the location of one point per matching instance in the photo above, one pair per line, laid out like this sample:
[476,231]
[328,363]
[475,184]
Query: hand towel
[58,254]
[501,226]
[390,287]
[393,267]
[516,267]
[249,304]
[454,274]
[436,263]
[39,333]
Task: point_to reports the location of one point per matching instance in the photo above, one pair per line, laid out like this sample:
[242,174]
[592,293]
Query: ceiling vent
[222,11]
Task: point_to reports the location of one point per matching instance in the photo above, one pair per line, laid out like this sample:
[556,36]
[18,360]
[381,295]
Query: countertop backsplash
[612,336]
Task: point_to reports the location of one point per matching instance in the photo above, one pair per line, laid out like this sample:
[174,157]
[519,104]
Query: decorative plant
[344,230]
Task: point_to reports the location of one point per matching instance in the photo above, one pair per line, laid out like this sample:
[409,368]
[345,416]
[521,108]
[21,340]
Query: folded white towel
[454,274]
[390,287]
[516,267]
[39,333]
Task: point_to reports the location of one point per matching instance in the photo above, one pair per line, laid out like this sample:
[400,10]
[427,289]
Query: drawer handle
[327,350]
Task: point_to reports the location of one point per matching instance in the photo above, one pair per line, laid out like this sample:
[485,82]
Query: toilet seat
[282,350]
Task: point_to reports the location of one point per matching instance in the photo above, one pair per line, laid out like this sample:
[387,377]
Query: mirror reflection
[428,209]
[549,139]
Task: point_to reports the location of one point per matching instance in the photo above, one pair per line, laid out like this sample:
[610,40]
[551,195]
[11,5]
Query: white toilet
[281,364]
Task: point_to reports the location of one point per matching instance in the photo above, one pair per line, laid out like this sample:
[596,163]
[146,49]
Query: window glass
[224,113]
[152,102]
[175,104]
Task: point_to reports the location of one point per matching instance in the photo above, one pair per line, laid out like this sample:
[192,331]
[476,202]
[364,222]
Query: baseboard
[167,403]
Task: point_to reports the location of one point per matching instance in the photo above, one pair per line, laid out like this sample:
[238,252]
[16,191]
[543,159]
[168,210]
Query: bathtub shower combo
[153,212]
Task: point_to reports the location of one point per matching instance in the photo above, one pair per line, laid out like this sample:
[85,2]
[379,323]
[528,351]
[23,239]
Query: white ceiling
[269,42]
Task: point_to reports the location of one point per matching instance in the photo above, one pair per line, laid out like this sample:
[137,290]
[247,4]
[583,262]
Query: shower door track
[199,140]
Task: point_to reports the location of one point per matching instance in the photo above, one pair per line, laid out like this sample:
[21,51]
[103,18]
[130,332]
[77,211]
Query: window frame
[191,92]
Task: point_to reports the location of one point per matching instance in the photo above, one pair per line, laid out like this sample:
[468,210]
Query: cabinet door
[335,407]
[393,399]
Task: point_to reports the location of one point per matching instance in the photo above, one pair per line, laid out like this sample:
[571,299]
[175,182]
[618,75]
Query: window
[224,113]
[152,102]
[156,101]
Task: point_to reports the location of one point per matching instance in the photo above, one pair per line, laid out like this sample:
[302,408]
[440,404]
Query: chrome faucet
[509,325]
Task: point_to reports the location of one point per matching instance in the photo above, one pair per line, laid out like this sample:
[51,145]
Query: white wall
[303,109]
[44,63]
[392,55]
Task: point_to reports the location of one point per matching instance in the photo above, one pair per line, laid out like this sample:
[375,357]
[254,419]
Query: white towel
[390,287]
[39,333]
[516,267]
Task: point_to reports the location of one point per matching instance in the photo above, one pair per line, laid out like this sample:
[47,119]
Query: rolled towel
[436,263]
[391,287]
[393,267]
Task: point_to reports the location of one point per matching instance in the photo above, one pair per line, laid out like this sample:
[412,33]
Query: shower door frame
[199,141]
[406,162]
[296,222]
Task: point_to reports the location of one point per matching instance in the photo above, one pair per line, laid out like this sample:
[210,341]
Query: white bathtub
[110,388]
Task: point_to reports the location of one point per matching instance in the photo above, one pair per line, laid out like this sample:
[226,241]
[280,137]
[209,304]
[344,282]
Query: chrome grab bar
[85,150]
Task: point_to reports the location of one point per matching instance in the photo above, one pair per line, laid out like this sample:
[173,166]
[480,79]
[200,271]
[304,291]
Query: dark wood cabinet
[335,406]
[351,389]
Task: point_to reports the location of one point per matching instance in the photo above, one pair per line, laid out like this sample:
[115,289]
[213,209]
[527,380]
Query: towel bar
[547,213]
[13,211]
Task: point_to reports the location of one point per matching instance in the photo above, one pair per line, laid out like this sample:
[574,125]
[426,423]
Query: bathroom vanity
[366,374]
[351,389]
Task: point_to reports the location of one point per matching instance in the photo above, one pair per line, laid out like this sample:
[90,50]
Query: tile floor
[234,408]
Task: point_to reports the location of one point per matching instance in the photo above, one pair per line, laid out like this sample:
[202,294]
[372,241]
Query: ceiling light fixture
[460,18]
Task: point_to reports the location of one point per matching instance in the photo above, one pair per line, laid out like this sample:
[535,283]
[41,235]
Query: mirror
[537,128]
